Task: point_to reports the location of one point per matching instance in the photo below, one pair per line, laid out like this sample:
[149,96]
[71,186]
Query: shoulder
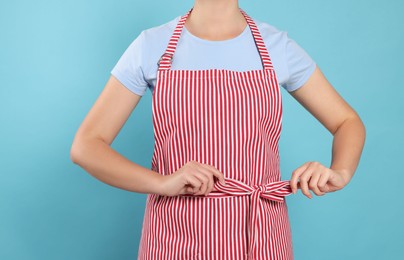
[153,42]
[159,33]
[150,41]
[294,64]
[276,43]
[271,34]
[275,40]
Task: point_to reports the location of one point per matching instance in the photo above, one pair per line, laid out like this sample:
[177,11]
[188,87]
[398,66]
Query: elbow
[76,151]
[355,122]
[363,128]
[360,124]
[81,149]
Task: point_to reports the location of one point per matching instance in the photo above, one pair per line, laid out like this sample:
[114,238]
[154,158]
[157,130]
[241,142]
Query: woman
[214,189]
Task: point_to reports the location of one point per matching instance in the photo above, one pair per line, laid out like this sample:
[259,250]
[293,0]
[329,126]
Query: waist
[273,191]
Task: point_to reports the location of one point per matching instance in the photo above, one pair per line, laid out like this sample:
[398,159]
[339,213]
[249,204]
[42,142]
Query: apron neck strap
[165,61]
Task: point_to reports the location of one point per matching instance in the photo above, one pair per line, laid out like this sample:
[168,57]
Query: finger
[295,176]
[204,175]
[305,188]
[211,182]
[322,182]
[187,189]
[194,182]
[215,172]
[209,171]
[204,180]
[304,179]
[313,184]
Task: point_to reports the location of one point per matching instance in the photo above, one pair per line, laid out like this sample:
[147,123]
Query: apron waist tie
[275,191]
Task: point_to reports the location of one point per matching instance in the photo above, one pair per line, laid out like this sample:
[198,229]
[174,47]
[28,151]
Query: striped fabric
[231,120]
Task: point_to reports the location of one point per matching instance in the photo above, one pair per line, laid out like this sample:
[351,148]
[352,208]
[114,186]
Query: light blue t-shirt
[137,67]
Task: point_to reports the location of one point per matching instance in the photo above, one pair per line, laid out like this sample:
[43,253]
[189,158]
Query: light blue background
[55,58]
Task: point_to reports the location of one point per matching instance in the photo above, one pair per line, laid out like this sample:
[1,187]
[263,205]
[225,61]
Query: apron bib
[231,120]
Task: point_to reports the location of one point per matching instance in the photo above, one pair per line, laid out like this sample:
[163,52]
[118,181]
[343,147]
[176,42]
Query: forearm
[104,163]
[347,147]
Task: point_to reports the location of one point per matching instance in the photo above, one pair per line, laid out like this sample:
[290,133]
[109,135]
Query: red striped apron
[231,120]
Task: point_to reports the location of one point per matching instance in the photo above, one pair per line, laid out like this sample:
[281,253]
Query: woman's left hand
[318,178]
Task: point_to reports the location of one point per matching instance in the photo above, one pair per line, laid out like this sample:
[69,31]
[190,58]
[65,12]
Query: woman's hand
[192,178]
[318,178]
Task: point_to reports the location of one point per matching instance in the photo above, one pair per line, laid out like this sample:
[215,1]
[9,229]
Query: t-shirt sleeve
[129,68]
[299,64]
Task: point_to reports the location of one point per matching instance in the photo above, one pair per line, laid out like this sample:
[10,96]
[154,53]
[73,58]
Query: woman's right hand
[192,178]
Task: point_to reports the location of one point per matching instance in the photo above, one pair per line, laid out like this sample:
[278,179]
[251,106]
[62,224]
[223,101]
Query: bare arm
[91,146]
[319,97]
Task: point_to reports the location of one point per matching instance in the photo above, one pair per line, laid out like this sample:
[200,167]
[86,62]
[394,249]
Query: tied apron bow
[275,191]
